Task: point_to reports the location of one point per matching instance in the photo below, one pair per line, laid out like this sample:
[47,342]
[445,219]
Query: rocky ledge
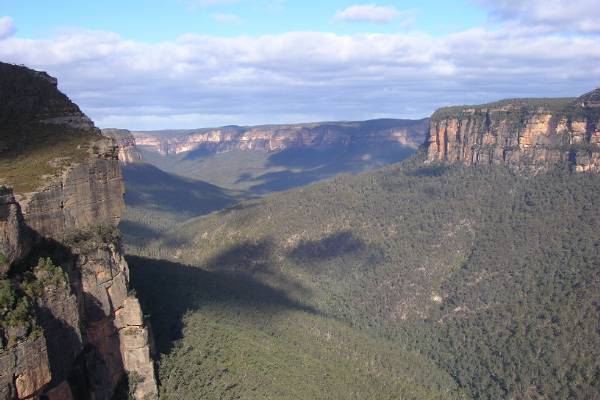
[533,134]
[69,326]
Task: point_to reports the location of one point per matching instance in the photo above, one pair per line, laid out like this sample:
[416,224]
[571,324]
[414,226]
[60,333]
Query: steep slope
[157,201]
[498,287]
[69,328]
[523,133]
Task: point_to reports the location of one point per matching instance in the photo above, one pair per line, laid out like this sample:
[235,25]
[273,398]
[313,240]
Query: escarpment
[69,327]
[406,133]
[535,134]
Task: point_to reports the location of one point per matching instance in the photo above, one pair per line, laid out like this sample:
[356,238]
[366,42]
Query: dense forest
[413,281]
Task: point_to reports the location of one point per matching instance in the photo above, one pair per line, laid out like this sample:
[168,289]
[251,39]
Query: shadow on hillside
[152,188]
[143,234]
[168,290]
[342,249]
[308,165]
[335,245]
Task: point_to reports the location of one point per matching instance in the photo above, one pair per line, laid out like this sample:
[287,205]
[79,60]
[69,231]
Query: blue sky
[160,20]
[194,63]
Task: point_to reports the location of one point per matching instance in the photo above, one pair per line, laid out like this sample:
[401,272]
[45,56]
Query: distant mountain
[263,159]
[172,176]
[407,133]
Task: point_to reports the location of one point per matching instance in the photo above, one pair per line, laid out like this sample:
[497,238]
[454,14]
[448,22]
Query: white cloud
[553,15]
[7,27]
[299,76]
[227,18]
[368,13]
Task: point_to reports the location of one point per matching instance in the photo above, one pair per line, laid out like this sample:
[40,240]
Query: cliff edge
[69,327]
[533,134]
[272,138]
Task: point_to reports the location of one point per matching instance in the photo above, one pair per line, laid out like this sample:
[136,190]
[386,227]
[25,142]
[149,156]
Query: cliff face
[81,196]
[69,328]
[124,139]
[407,133]
[537,133]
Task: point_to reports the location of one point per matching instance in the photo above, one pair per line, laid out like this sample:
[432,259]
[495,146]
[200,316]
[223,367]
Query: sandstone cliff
[128,152]
[407,133]
[524,133]
[69,328]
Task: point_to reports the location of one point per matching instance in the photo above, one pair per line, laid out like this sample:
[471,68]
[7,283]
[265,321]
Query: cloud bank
[199,81]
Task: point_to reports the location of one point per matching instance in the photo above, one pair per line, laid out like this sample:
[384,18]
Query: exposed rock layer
[128,152]
[536,133]
[86,345]
[14,237]
[407,133]
[84,195]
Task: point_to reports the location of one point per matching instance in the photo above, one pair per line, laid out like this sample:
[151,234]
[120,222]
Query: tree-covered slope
[157,200]
[491,275]
[227,335]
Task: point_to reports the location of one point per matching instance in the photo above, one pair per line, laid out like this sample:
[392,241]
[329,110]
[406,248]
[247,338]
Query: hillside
[172,176]
[492,285]
[487,274]
[157,201]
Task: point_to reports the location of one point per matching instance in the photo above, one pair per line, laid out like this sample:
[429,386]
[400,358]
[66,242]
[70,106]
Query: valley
[173,176]
[451,257]
[416,261]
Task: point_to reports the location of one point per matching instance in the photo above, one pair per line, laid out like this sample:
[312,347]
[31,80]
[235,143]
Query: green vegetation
[490,275]
[29,153]
[16,314]
[18,296]
[126,388]
[198,184]
[261,172]
[44,274]
[550,104]
[157,201]
[243,339]
[90,238]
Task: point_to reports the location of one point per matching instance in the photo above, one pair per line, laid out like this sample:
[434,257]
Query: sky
[159,64]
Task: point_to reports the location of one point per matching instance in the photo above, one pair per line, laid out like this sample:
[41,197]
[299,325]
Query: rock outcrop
[83,195]
[128,152]
[24,369]
[406,133]
[535,134]
[70,328]
[14,238]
